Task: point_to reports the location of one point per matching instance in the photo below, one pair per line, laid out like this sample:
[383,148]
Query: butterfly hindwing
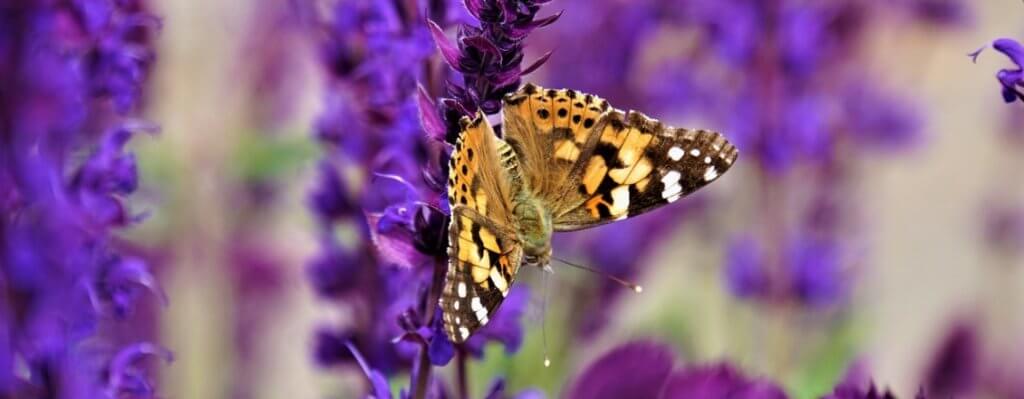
[484,252]
[482,264]
[623,164]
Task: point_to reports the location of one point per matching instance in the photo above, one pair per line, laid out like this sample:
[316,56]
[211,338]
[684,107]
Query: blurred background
[873,222]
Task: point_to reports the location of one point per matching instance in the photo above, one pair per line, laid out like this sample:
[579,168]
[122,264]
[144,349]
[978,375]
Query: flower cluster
[488,56]
[73,75]
[378,199]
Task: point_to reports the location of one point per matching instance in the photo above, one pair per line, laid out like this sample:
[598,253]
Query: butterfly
[567,161]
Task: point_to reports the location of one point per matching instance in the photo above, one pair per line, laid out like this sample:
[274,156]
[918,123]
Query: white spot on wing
[620,200]
[707,159]
[499,281]
[455,305]
[475,305]
[462,289]
[695,152]
[710,174]
[671,182]
[676,153]
[464,332]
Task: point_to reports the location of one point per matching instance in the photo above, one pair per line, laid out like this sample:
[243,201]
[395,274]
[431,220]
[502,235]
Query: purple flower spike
[488,56]
[1011,79]
[635,370]
[956,366]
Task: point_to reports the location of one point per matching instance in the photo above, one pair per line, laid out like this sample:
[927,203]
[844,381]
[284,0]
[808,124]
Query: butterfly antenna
[544,318]
[628,284]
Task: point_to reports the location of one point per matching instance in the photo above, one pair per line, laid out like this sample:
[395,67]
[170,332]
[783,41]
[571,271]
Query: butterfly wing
[610,164]
[484,253]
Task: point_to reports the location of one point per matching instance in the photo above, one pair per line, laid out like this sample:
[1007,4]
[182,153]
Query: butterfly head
[534,231]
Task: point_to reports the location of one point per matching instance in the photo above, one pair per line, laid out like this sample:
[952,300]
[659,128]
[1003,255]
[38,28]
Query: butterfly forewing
[619,165]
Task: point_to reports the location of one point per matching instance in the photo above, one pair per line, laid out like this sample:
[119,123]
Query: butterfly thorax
[534,228]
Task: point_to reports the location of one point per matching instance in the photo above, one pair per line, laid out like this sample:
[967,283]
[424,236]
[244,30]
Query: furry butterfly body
[567,161]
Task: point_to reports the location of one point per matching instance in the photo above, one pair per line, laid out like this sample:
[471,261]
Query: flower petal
[634,370]
[448,50]
[430,119]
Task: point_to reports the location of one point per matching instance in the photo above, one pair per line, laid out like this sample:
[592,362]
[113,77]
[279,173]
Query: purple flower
[74,73]
[881,121]
[1012,79]
[941,12]
[956,366]
[745,272]
[643,369]
[816,270]
[488,57]
[1004,226]
[637,369]
[719,381]
[845,391]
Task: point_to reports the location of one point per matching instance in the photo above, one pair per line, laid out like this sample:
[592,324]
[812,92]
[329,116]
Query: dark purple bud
[956,365]
[431,231]
[448,50]
[329,197]
[429,117]
[333,272]
[329,347]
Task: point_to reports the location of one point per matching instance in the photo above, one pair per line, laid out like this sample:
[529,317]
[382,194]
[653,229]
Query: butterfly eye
[531,260]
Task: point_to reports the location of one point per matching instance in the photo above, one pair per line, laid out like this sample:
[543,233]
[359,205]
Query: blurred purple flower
[941,12]
[956,365]
[745,271]
[816,271]
[1004,226]
[643,369]
[844,391]
[879,121]
[73,75]
[1012,79]
[719,381]
[636,369]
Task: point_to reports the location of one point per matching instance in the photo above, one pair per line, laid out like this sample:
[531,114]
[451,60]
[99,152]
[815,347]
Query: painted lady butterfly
[568,161]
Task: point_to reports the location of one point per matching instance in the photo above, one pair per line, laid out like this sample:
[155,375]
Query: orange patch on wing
[567,150]
[594,173]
